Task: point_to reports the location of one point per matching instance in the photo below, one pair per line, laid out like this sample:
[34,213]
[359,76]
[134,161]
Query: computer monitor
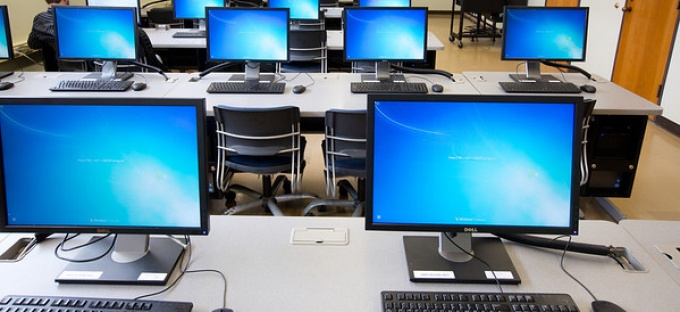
[195,9]
[99,34]
[384,35]
[463,164]
[300,10]
[385,3]
[535,34]
[250,35]
[131,167]
[6,47]
[118,3]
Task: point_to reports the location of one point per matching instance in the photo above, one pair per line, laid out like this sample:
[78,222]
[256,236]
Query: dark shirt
[43,31]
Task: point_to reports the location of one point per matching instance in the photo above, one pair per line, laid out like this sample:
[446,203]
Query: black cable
[564,252]
[572,67]
[61,247]
[599,250]
[414,70]
[154,68]
[214,68]
[449,236]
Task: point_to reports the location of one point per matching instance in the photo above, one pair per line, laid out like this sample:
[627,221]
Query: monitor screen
[385,34]
[545,33]
[491,164]
[247,34]
[117,3]
[385,3]
[96,33]
[194,9]
[299,9]
[6,47]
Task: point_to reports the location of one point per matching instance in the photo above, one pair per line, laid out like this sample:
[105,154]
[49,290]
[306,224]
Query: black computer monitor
[99,34]
[249,35]
[385,3]
[6,47]
[118,3]
[384,35]
[131,167]
[459,164]
[300,10]
[535,34]
[195,9]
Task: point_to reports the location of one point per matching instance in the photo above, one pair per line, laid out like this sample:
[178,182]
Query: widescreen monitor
[299,9]
[6,47]
[194,9]
[131,167]
[385,3]
[459,164]
[97,33]
[118,3]
[535,34]
[384,35]
[250,35]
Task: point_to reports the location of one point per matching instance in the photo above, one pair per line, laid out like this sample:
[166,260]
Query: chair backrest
[344,145]
[308,46]
[245,3]
[146,53]
[329,3]
[163,16]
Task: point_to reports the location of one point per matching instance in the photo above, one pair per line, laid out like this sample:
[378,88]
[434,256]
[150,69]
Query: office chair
[264,141]
[245,3]
[308,52]
[344,148]
[52,63]
[163,16]
[329,3]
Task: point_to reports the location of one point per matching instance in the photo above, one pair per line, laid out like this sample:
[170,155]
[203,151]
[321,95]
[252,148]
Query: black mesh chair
[264,141]
[308,52]
[245,3]
[344,150]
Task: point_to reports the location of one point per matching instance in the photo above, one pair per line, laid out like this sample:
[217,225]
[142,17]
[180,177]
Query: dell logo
[469,229]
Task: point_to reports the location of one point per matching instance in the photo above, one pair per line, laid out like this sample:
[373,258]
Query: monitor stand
[533,74]
[252,74]
[109,73]
[382,74]
[432,259]
[5,74]
[135,259]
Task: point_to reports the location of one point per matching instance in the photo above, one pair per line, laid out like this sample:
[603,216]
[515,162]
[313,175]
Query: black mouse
[606,306]
[588,88]
[223,310]
[299,89]
[437,88]
[138,86]
[4,85]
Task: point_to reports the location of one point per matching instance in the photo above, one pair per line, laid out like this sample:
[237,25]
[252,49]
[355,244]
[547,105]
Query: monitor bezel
[362,59]
[362,3]
[70,57]
[205,17]
[204,212]
[208,35]
[290,16]
[4,10]
[571,229]
[137,7]
[534,8]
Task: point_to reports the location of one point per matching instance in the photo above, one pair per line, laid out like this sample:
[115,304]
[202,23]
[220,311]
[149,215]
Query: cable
[572,67]
[214,68]
[449,236]
[156,69]
[60,247]
[423,71]
[599,250]
[564,252]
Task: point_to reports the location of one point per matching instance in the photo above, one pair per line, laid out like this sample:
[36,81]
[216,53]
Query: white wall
[436,5]
[670,98]
[604,28]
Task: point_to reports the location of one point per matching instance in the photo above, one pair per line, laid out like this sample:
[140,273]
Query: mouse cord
[449,236]
[564,252]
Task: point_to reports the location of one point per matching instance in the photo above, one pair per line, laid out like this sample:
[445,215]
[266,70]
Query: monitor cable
[413,70]
[212,69]
[568,66]
[153,68]
[590,249]
[450,236]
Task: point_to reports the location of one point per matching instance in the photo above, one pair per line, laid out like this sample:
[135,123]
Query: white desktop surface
[266,272]
[651,233]
[612,98]
[336,41]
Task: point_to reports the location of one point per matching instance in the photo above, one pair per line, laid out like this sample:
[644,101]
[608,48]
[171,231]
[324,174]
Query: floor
[656,192]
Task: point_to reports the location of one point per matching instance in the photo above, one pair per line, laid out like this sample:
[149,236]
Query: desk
[266,272]
[649,234]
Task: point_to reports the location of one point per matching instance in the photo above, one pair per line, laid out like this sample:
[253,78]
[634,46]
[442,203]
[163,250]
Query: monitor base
[426,265]
[525,78]
[154,268]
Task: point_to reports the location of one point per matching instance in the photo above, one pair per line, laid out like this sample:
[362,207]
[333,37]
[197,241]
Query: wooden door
[646,36]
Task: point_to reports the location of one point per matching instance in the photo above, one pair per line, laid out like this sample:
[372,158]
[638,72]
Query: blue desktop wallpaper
[384,34]
[96,33]
[552,34]
[248,35]
[194,9]
[299,9]
[491,164]
[385,3]
[101,166]
[4,42]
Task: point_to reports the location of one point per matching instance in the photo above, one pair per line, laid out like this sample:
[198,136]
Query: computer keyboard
[246,87]
[190,34]
[394,301]
[539,87]
[92,85]
[81,304]
[388,87]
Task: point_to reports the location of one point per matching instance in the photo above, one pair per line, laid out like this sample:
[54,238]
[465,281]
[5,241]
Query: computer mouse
[588,88]
[4,85]
[138,86]
[223,310]
[299,89]
[437,88]
[606,306]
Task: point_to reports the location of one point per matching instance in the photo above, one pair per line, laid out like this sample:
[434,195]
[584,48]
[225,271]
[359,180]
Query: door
[646,36]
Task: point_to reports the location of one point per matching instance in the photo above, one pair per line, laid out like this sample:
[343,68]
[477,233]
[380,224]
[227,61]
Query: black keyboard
[394,301]
[92,85]
[539,87]
[80,304]
[246,87]
[389,87]
[190,34]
